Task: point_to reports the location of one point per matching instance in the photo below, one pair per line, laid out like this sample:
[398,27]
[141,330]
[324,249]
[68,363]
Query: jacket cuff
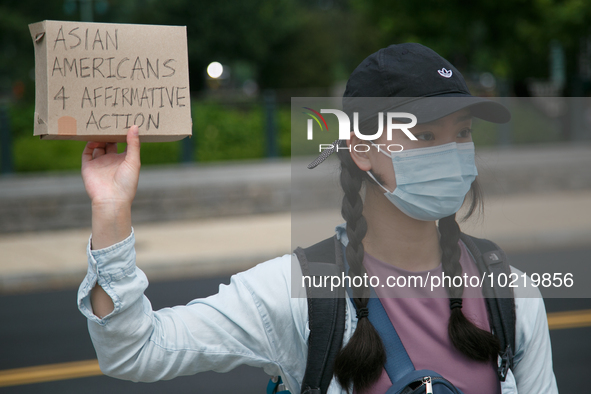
[106,267]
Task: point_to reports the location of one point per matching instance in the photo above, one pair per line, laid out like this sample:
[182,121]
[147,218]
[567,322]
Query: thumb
[133,145]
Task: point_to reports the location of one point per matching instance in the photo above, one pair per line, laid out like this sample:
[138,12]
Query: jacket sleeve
[533,356]
[250,321]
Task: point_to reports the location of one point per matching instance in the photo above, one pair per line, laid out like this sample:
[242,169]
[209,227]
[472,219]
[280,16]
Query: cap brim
[429,109]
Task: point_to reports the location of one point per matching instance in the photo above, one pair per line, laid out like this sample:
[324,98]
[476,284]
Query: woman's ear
[359,152]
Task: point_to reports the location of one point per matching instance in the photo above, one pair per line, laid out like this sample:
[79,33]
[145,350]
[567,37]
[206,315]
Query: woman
[255,321]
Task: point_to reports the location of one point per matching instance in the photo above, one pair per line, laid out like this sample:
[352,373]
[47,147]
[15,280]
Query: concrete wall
[57,201]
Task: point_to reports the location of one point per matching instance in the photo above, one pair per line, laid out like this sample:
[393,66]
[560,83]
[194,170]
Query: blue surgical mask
[431,183]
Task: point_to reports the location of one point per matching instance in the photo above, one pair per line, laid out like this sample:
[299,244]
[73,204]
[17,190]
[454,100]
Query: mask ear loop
[371,175]
[376,181]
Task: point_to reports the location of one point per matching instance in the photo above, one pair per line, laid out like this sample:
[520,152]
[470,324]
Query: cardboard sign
[95,80]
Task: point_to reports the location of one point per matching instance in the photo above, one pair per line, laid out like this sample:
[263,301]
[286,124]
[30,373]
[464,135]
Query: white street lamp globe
[215,70]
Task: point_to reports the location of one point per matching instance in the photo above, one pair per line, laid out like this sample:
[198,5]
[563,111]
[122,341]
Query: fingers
[92,150]
[98,152]
[87,152]
[133,145]
[111,147]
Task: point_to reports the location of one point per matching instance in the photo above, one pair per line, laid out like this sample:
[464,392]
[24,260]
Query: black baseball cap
[417,80]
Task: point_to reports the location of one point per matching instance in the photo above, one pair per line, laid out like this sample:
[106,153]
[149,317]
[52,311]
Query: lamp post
[86,9]
[86,14]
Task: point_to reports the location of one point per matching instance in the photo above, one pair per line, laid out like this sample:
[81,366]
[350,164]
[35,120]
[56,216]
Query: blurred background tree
[315,43]
[508,38]
[309,47]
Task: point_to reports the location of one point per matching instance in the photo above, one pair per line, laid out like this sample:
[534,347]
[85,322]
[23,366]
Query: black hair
[361,361]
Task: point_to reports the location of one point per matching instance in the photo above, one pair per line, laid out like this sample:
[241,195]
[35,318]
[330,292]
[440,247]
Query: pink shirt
[421,324]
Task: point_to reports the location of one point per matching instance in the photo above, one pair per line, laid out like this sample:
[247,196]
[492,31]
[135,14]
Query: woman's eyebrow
[463,118]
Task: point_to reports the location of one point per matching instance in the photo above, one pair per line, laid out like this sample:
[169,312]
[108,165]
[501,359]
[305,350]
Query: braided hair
[365,344]
[472,341]
[361,361]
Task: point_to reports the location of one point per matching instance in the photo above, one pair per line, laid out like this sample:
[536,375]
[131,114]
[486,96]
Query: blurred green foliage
[314,43]
[509,38]
[223,133]
[220,132]
[286,44]
[237,132]
[293,45]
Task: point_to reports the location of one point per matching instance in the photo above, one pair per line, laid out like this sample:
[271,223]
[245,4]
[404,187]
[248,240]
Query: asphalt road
[46,328]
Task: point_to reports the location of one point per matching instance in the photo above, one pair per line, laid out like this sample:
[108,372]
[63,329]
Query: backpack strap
[491,259]
[326,310]
[398,363]
[326,314]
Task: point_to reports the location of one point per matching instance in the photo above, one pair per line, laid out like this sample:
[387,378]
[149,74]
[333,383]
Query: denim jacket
[254,320]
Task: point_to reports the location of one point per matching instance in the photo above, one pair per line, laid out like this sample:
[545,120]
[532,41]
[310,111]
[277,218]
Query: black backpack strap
[326,314]
[490,258]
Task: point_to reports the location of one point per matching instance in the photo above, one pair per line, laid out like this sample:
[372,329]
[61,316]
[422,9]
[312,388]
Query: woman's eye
[465,133]
[425,136]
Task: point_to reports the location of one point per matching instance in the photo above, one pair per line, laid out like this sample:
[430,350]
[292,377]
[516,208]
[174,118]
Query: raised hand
[111,177]
[111,180]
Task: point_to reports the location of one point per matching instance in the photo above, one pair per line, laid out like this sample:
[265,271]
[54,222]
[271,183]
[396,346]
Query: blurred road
[46,328]
[215,246]
[197,225]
